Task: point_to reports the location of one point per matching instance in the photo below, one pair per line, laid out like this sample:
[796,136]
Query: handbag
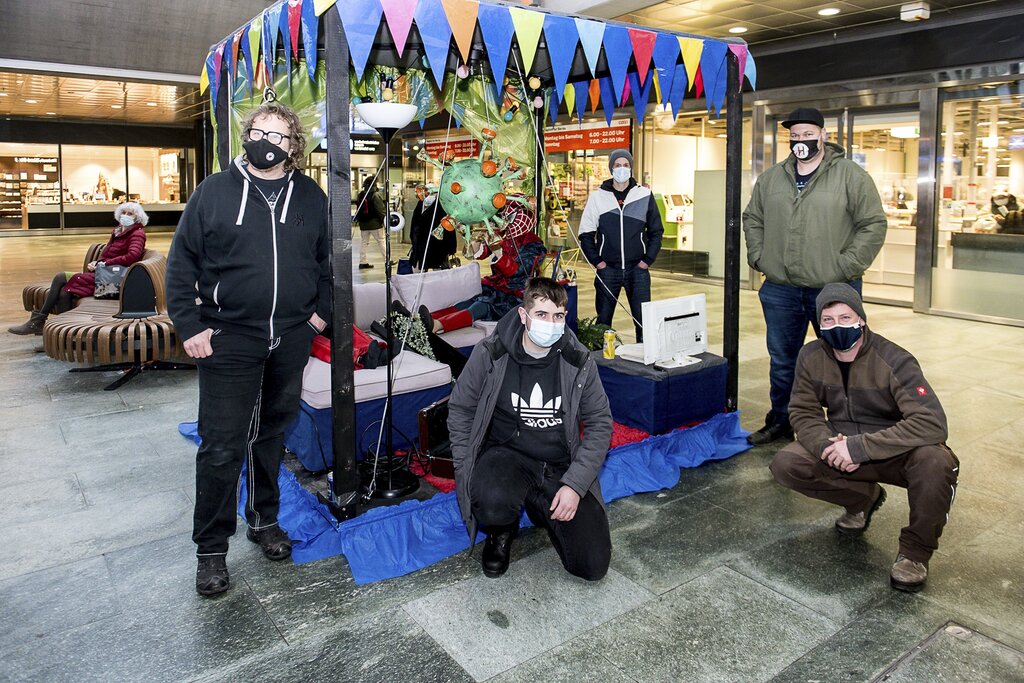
[108,281]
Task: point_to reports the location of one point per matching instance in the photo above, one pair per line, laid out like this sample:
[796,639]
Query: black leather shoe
[773,430]
[397,307]
[212,575]
[497,553]
[426,318]
[275,543]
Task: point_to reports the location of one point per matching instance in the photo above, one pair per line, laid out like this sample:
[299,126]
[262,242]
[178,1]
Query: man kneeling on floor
[883,425]
[515,419]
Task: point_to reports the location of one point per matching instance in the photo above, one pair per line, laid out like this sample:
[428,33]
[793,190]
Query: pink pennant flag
[643,48]
[398,16]
[741,55]
[294,24]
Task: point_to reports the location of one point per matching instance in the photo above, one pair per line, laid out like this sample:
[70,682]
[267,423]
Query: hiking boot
[273,540]
[907,575]
[856,523]
[773,430]
[364,266]
[212,575]
[33,326]
[497,553]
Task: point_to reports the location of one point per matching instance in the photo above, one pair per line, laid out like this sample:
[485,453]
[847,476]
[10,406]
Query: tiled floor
[727,577]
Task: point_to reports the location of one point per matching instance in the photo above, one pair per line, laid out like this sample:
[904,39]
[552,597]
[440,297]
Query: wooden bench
[33,296]
[131,334]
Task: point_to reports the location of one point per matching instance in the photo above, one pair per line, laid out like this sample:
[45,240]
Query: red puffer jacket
[122,250]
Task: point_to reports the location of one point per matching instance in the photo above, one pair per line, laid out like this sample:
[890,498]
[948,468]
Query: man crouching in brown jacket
[864,414]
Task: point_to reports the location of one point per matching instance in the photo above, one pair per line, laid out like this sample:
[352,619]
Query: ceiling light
[721,135]
[879,149]
[115,106]
[829,12]
[51,113]
[1001,123]
[738,29]
[31,101]
[150,104]
[915,11]
[3,94]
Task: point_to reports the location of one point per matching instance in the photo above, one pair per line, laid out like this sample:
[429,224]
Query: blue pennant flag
[641,94]
[582,95]
[361,19]
[271,28]
[310,26]
[212,66]
[553,105]
[714,73]
[561,37]
[282,24]
[679,87]
[618,49]
[497,30]
[591,35]
[608,98]
[750,71]
[436,34]
[666,54]
[250,75]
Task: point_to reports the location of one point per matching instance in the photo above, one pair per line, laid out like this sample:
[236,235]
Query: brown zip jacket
[888,408]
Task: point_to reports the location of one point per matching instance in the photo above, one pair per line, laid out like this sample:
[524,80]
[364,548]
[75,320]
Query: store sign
[463,146]
[369,144]
[595,135]
[35,160]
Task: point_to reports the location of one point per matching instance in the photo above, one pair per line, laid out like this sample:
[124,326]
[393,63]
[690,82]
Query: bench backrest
[143,292]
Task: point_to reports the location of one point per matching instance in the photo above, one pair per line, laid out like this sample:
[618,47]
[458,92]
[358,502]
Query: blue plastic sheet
[387,542]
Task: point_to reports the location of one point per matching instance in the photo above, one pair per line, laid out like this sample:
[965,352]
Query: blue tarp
[386,542]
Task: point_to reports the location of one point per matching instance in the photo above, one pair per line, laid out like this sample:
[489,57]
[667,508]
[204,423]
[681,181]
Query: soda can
[609,344]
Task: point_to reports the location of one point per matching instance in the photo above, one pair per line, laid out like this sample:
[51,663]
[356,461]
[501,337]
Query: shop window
[29,186]
[155,175]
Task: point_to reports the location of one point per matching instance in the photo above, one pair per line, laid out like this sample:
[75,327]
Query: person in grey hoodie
[530,426]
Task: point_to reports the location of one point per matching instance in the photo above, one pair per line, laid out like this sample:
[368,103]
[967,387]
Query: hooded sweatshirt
[239,265]
[621,234]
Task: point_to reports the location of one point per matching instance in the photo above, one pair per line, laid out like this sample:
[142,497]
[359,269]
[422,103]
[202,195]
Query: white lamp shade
[387,114]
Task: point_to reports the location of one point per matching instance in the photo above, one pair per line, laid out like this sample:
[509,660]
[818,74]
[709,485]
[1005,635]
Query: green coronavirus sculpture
[472,191]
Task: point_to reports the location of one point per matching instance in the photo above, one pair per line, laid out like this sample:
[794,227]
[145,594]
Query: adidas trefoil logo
[537,414]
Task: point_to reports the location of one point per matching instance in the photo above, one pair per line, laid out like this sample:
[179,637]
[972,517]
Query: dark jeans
[637,282]
[248,394]
[787,312]
[503,481]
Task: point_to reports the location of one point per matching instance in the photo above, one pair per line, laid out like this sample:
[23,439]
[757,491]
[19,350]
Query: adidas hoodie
[238,265]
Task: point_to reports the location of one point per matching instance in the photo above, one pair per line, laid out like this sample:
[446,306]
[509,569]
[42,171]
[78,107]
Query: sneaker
[907,575]
[773,430]
[364,266]
[497,553]
[212,575]
[275,543]
[856,523]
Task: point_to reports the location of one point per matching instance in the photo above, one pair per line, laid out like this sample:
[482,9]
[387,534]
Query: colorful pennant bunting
[666,54]
[560,37]
[462,20]
[361,19]
[294,24]
[643,46]
[310,28]
[591,35]
[581,88]
[741,55]
[436,35]
[641,95]
[528,25]
[271,29]
[608,98]
[691,49]
[617,50]
[497,31]
[398,15]
[714,73]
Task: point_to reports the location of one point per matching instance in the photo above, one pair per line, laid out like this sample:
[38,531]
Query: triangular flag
[714,73]
[231,55]
[462,19]
[560,36]
[247,56]
[294,24]
[497,31]
[595,94]
[617,50]
[310,28]
[666,54]
[641,95]
[581,89]
[436,35]
[658,95]
[361,19]
[569,99]
[204,76]
[741,55]
[321,6]
[591,37]
[553,105]
[255,36]
[528,25]
[643,46]
[627,90]
[214,62]
[698,84]
[286,43]
[271,29]
[691,49]
[679,88]
[608,98]
[398,15]
[750,71]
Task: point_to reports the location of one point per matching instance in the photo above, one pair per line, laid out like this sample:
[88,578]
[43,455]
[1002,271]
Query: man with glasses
[248,287]
[515,419]
[813,219]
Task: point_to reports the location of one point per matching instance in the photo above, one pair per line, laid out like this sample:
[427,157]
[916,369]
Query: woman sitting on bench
[126,245]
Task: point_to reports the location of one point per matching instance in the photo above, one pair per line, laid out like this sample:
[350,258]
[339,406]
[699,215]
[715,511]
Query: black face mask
[804,149]
[843,337]
[264,154]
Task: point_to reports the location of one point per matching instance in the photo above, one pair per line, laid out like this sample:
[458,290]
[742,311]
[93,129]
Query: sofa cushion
[441,288]
[370,299]
[413,372]
[464,336]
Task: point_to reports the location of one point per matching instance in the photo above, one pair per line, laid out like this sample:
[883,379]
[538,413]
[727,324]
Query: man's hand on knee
[564,504]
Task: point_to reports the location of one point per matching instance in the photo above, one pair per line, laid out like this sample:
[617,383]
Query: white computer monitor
[675,330]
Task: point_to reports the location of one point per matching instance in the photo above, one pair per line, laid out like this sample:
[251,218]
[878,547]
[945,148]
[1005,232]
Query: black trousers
[504,481]
[249,393]
[636,281]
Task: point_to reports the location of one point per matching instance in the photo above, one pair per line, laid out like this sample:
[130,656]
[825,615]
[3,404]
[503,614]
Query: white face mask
[126,220]
[544,333]
[622,174]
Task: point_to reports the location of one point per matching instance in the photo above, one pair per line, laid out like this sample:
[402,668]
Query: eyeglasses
[273,137]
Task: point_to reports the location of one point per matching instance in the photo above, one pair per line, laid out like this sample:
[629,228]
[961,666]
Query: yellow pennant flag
[691,49]
[321,6]
[528,24]
[204,80]
[657,87]
[569,97]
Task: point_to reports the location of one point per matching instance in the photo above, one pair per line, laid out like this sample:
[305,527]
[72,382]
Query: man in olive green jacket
[813,219]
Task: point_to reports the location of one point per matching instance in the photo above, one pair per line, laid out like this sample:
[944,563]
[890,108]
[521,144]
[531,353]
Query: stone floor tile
[956,654]
[567,663]
[42,498]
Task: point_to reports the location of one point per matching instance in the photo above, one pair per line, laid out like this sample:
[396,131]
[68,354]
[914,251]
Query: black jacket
[236,265]
[621,236]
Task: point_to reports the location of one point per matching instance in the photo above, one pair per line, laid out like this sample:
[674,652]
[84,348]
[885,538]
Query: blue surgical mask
[622,174]
[126,221]
[843,337]
[544,333]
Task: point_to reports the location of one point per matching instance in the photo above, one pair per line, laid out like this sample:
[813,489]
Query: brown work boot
[33,326]
[907,575]
[856,523]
